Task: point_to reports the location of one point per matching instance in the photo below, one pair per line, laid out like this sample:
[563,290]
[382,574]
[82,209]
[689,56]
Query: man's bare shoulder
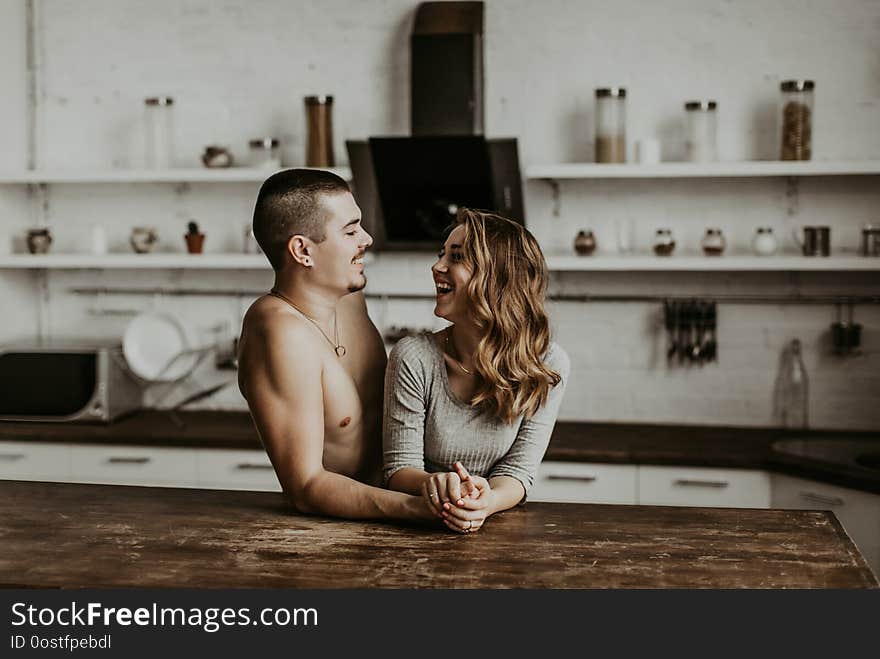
[270,325]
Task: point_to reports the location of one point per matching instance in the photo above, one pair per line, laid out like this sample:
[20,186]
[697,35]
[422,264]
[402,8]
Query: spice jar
[701,130]
[319,119]
[158,132]
[611,124]
[39,240]
[264,153]
[764,243]
[664,243]
[797,119]
[585,243]
[713,242]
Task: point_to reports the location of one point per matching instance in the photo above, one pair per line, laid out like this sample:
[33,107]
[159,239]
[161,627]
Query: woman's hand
[442,488]
[468,514]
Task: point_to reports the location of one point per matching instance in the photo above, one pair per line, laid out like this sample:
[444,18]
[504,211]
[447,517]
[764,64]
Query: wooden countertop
[705,446]
[78,536]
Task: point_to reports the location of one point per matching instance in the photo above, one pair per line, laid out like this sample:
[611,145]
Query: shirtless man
[311,362]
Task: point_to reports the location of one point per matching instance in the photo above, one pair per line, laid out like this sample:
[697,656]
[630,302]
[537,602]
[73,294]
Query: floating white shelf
[704,170]
[203,175]
[696,263]
[596,263]
[137,261]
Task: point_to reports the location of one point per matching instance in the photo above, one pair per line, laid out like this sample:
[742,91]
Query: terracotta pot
[194,242]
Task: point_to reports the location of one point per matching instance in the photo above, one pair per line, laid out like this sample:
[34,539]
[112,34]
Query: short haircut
[289,204]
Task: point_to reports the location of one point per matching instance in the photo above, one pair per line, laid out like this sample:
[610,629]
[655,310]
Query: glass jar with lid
[664,242]
[158,132]
[611,124]
[796,141]
[764,242]
[713,242]
[701,131]
[264,152]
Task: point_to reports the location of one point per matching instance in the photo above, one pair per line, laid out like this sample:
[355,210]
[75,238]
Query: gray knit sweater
[425,426]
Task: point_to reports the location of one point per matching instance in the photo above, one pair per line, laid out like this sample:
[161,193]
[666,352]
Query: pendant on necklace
[340,351]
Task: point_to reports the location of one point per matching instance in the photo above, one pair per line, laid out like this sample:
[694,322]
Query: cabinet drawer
[694,486]
[577,482]
[34,461]
[133,465]
[857,511]
[236,470]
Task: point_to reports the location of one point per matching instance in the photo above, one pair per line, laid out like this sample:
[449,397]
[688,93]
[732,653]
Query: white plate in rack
[152,340]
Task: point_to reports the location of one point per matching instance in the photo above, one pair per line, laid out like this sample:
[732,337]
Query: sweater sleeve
[522,460]
[403,423]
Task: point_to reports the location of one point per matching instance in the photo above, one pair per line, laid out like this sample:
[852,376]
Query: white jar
[764,243]
[701,131]
[158,132]
[264,152]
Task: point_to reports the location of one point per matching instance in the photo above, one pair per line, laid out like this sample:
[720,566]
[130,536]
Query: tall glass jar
[797,119]
[611,124]
[701,131]
[158,132]
[319,120]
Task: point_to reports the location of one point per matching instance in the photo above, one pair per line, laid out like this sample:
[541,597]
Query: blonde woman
[469,410]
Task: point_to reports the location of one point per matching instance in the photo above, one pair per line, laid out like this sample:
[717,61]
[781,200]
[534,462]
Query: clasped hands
[461,500]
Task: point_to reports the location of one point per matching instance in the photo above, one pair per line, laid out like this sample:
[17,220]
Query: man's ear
[300,248]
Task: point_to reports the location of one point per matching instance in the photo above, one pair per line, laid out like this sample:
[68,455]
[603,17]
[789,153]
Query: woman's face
[451,277]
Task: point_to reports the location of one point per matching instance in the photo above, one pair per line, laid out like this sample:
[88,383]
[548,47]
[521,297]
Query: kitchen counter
[77,536]
[705,446]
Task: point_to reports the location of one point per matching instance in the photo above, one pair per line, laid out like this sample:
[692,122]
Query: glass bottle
[701,131]
[611,124]
[797,119]
[795,388]
[158,132]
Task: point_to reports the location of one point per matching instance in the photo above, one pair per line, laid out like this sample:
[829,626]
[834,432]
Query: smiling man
[311,362]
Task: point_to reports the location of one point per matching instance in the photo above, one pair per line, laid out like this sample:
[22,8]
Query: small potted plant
[194,238]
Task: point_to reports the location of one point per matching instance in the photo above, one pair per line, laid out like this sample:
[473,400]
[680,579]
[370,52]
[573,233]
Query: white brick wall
[239,70]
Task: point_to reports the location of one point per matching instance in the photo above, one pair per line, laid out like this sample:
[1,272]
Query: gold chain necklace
[338,348]
[455,358]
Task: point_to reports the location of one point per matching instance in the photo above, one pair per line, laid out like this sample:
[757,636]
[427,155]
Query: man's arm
[286,402]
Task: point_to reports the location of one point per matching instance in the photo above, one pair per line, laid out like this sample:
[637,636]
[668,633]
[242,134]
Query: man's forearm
[335,495]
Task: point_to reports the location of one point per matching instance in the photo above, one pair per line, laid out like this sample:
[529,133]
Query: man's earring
[308,262]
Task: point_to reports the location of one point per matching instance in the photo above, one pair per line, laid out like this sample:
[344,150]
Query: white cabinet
[858,512]
[133,465]
[703,486]
[236,470]
[30,461]
[581,482]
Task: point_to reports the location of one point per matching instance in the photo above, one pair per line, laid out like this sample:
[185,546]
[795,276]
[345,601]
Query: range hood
[409,188]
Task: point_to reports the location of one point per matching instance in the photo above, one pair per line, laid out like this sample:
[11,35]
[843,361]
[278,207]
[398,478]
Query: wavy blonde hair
[506,293]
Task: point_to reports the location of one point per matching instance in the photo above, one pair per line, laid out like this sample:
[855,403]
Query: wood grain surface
[75,536]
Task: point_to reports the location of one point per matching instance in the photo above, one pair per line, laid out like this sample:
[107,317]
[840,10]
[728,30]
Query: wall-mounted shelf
[563,263]
[203,175]
[697,263]
[136,261]
[703,170]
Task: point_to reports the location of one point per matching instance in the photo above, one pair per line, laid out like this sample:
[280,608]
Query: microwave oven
[70,384]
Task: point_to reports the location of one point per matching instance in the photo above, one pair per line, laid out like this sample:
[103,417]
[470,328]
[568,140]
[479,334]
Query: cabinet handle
[821,498]
[11,457]
[579,479]
[692,482]
[250,465]
[127,461]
